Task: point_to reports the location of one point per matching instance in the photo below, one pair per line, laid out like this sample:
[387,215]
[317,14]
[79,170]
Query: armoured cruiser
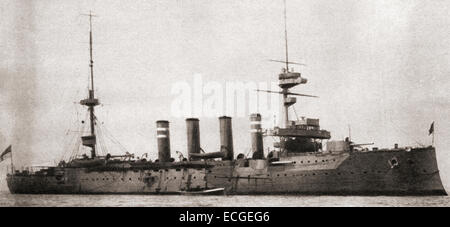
[298,164]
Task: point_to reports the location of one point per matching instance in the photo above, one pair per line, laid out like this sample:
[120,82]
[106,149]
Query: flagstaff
[431,132]
[12,161]
[7,153]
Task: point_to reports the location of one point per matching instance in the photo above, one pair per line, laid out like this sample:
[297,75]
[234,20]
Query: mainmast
[91,101]
[288,79]
[285,37]
[91,62]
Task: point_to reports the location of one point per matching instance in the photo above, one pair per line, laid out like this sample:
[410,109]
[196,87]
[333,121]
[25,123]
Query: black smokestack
[226,137]
[193,137]
[163,137]
[256,134]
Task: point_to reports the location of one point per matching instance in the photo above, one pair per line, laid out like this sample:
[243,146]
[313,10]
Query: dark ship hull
[414,172]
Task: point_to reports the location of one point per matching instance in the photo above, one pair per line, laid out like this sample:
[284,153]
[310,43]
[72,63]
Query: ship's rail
[297,132]
[151,166]
[28,170]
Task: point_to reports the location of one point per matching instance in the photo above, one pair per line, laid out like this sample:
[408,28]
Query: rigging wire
[295,112]
[113,139]
[67,146]
[77,145]
[72,141]
[103,147]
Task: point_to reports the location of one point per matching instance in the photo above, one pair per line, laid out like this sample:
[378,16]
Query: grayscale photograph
[224,103]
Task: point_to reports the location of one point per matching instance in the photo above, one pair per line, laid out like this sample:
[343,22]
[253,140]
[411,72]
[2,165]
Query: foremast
[91,101]
[300,135]
[288,78]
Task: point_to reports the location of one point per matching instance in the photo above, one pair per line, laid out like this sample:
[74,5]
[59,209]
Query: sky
[379,67]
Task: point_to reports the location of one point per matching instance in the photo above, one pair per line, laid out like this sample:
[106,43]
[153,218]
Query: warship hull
[383,172]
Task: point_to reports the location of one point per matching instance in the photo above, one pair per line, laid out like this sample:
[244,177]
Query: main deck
[382,172]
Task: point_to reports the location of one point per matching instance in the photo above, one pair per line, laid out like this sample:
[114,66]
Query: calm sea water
[7,199]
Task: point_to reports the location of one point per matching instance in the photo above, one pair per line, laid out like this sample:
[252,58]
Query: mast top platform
[290,79]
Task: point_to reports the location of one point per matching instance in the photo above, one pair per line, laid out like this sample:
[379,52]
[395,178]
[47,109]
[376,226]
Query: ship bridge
[290,79]
[304,128]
